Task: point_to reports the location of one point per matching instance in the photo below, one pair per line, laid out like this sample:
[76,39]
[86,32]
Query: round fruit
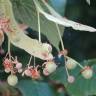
[87,73]
[12,80]
[71,79]
[19,65]
[70,64]
[49,68]
[47,47]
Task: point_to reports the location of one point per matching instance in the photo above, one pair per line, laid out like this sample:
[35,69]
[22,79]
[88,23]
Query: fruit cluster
[13,66]
[86,71]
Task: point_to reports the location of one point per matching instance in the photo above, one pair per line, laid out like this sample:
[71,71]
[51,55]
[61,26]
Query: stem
[9,44]
[80,65]
[34,62]
[39,26]
[59,33]
[62,45]
[76,63]
[30,60]
[67,70]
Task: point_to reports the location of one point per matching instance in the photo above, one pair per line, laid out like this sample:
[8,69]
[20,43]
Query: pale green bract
[17,36]
[19,39]
[55,17]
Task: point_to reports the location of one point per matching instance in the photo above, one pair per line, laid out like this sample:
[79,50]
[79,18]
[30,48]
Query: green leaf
[29,88]
[81,86]
[25,12]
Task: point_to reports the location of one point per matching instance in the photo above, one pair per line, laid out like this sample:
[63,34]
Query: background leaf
[25,12]
[30,87]
[81,86]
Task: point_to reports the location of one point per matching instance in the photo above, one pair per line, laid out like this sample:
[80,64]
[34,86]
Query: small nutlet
[12,80]
[71,64]
[19,65]
[50,67]
[47,47]
[87,72]
[71,79]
